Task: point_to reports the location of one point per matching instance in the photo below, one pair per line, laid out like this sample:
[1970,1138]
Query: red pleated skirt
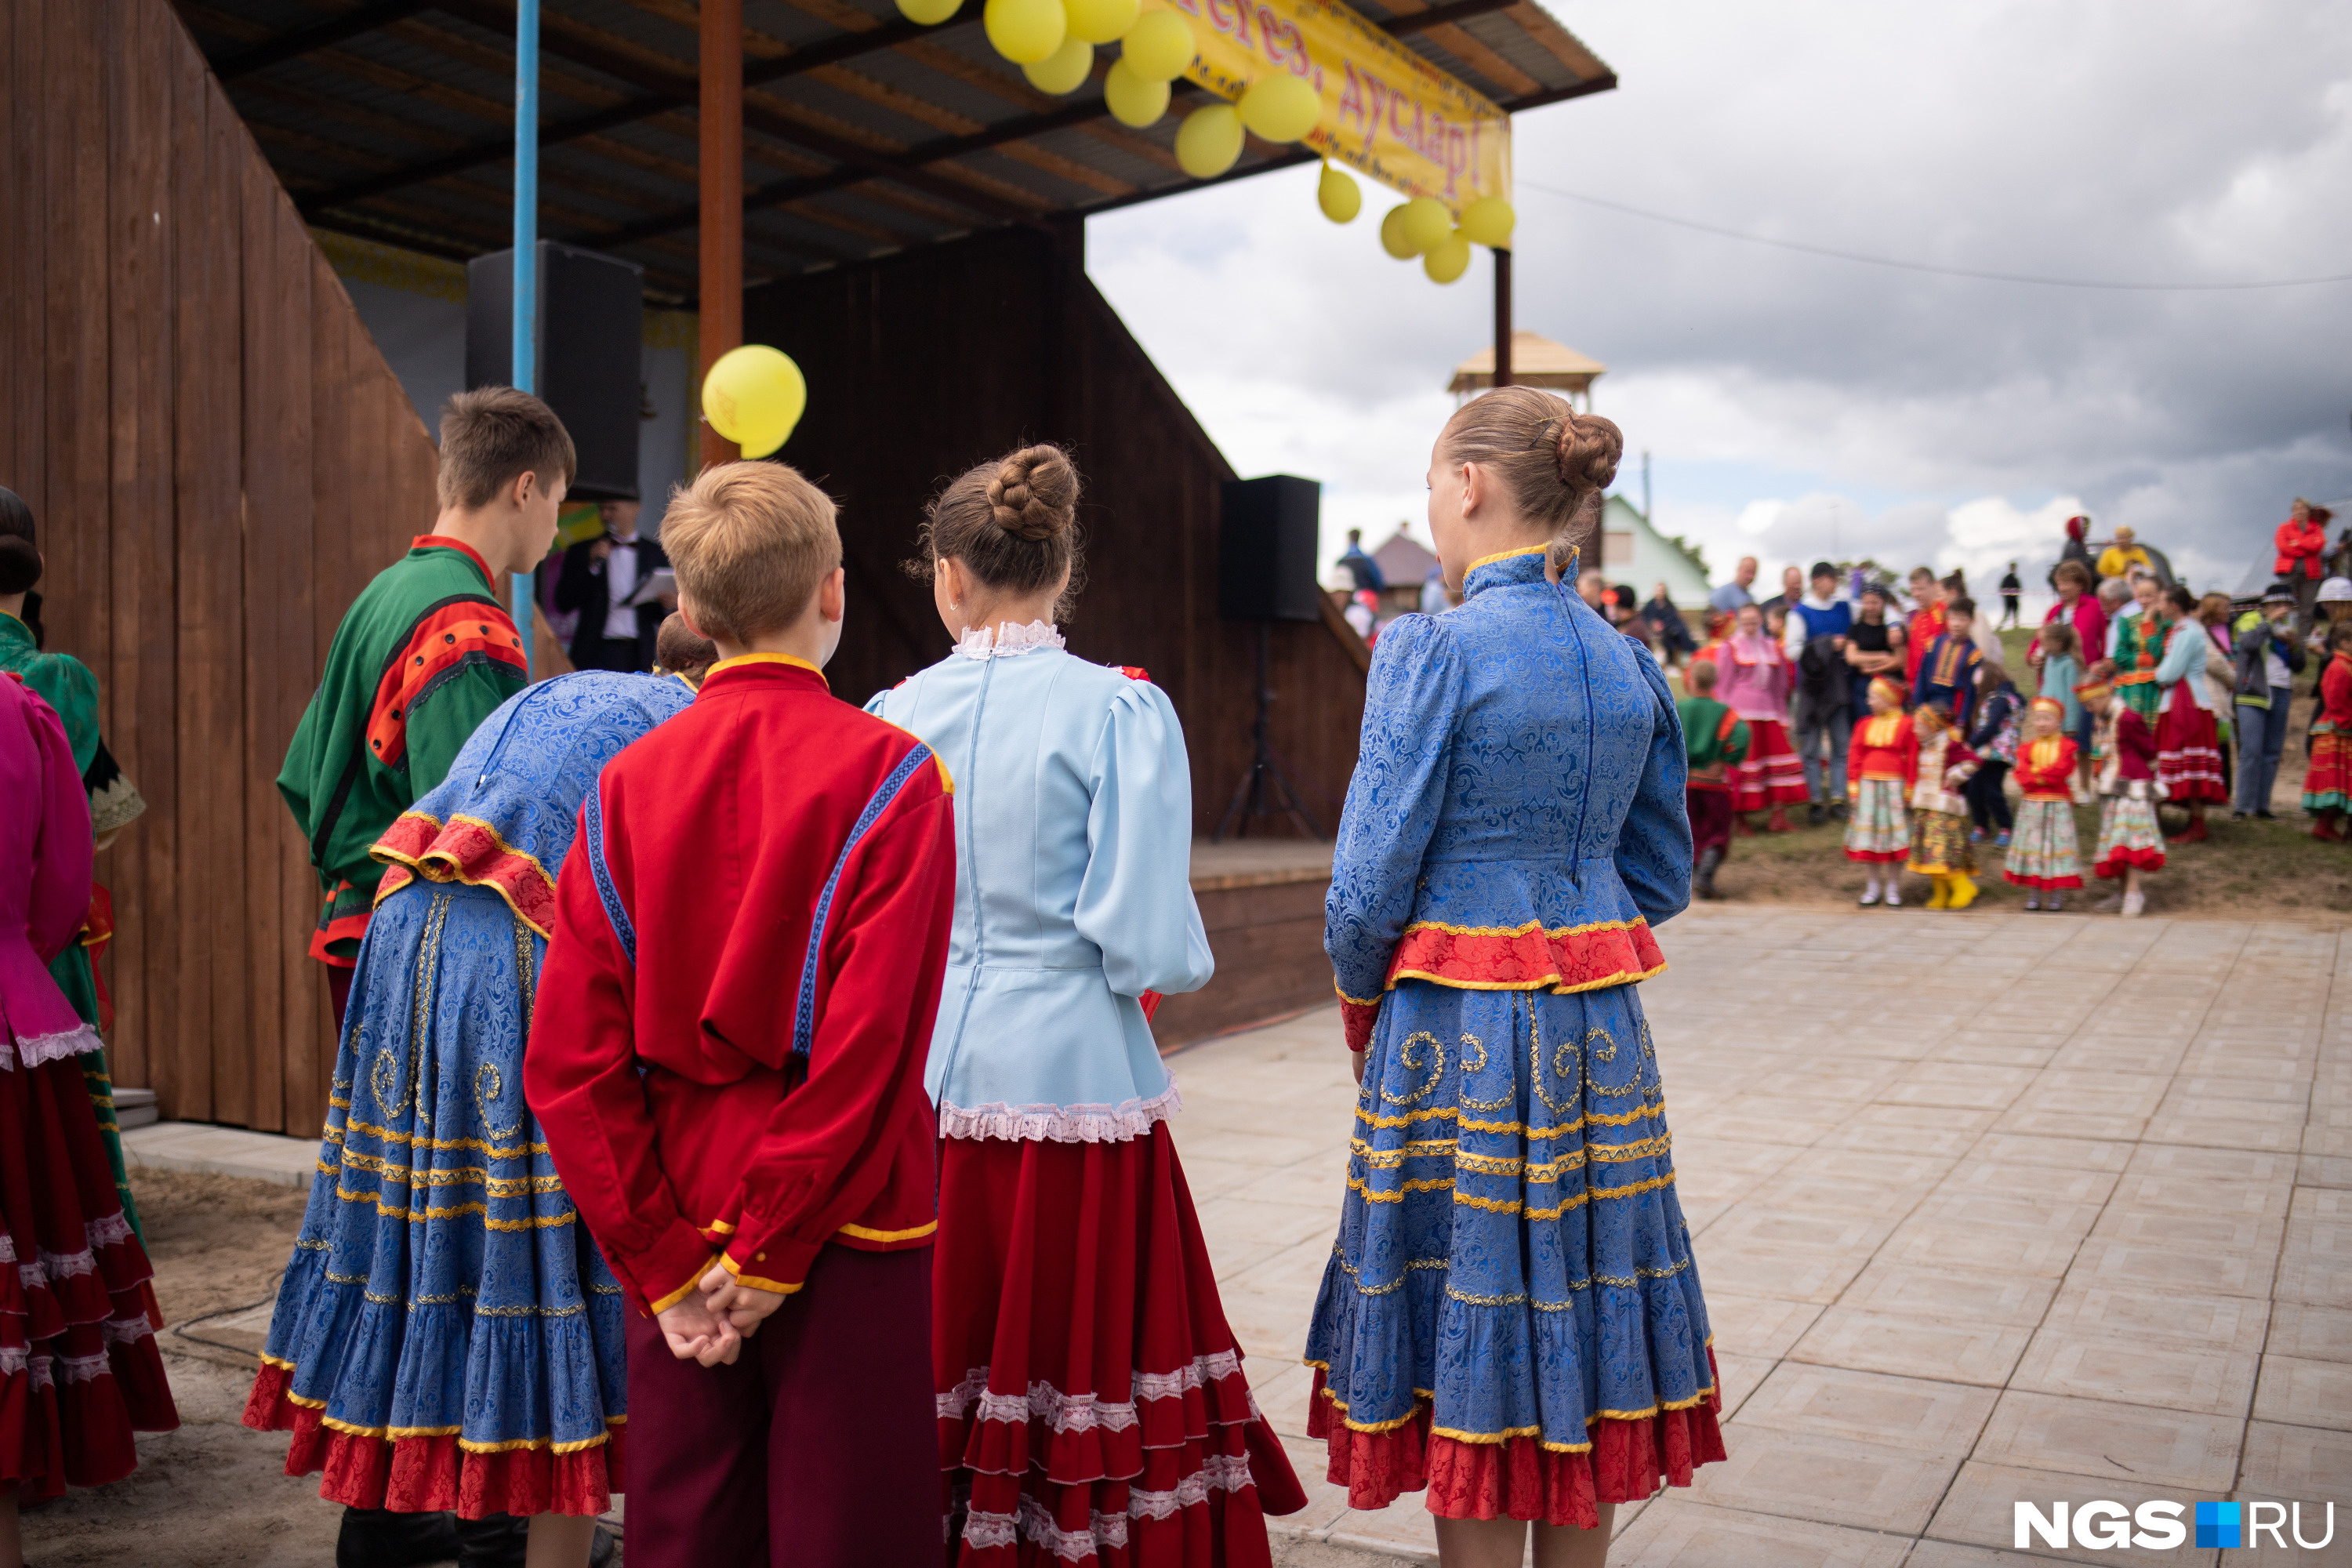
[1772,774]
[1519,1477]
[434,1473]
[1091,1402]
[2188,751]
[79,1371]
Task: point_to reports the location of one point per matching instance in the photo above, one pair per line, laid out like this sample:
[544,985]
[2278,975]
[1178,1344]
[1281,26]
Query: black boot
[494,1540]
[378,1538]
[1708,862]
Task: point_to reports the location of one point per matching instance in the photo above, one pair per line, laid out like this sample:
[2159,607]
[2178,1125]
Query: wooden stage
[1262,901]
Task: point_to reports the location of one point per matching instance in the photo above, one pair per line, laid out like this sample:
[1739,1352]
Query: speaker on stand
[592,328]
[1265,573]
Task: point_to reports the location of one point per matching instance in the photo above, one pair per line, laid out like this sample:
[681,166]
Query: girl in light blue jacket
[1090,1394]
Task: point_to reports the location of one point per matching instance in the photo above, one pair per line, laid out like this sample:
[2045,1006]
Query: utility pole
[1646,489]
[525,363]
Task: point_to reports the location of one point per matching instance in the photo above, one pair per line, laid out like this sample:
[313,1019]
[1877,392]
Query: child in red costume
[728,1062]
[2129,841]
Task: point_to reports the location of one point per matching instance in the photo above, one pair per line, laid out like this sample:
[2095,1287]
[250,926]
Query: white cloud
[1909,415]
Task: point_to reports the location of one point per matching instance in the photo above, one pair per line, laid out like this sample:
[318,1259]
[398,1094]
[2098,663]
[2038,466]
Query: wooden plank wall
[924,363]
[219,459]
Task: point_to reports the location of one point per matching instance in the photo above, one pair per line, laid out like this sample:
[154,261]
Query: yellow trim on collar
[745,658]
[1505,555]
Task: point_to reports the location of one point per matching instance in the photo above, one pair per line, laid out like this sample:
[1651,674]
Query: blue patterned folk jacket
[1506,827]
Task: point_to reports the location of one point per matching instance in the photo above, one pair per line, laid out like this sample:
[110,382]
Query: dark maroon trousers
[1710,820]
[819,1446]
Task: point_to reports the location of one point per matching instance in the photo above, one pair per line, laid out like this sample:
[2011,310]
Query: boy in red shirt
[727,1060]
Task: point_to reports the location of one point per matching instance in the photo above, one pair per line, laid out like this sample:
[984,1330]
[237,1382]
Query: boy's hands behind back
[696,1333]
[742,1307]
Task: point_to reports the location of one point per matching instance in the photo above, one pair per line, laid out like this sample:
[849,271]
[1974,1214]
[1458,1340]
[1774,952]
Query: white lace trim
[13,1359]
[1061,1123]
[51,1265]
[1084,1412]
[987,642]
[984,1532]
[7,1247]
[1220,1472]
[108,1232]
[84,1368]
[126,1331]
[34,1050]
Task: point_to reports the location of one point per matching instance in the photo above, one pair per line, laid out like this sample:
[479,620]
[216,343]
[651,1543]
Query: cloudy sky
[1795,404]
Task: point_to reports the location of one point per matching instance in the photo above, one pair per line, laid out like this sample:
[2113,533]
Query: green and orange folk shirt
[424,655]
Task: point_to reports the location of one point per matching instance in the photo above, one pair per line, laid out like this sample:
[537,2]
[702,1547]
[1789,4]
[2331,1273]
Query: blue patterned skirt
[447,1336]
[1511,1315]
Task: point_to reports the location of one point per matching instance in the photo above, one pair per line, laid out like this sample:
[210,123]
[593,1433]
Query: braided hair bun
[1034,494]
[1585,452]
[1012,523]
[20,565]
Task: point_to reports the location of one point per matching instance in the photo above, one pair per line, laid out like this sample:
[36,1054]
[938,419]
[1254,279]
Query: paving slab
[2056,1218]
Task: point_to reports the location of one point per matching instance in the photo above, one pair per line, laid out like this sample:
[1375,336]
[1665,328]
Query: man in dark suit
[599,578]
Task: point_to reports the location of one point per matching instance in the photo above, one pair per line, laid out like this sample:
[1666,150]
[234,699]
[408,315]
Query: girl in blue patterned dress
[448,1337]
[1510,1316]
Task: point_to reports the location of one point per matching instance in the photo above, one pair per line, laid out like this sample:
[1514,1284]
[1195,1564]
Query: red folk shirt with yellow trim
[424,655]
[770,866]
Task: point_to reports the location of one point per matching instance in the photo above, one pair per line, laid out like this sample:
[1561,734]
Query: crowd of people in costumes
[706,1043]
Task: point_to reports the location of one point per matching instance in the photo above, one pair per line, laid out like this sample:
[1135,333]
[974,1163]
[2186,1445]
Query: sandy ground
[212,1494]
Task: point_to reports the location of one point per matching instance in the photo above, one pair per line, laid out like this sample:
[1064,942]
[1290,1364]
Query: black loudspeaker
[1265,550]
[591,371]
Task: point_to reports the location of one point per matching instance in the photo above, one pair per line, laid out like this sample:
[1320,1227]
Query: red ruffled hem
[1877,857]
[429,1475]
[1568,958]
[2120,860]
[1518,1477]
[2055,884]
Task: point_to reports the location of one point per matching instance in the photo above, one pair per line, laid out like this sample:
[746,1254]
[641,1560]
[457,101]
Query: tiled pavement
[1988,1208]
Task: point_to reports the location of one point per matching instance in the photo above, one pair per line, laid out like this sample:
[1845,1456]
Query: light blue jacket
[1074,836]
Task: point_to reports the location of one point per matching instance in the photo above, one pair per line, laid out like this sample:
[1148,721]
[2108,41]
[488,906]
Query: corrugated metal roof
[394,119]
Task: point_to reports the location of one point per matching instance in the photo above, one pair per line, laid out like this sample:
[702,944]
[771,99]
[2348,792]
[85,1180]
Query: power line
[1920,266]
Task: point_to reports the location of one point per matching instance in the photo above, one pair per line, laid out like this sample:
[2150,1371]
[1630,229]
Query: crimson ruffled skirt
[2188,751]
[79,1371]
[1772,774]
[1091,1402]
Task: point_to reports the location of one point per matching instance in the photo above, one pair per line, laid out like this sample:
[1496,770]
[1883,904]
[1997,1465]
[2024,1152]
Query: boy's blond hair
[493,435]
[750,544]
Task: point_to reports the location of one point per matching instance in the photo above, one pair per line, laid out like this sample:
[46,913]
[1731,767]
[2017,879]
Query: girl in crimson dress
[1756,678]
[78,1368]
[2327,788]
[1880,777]
[2188,746]
[1091,1401]
[2044,858]
[1511,1317]
[2130,844]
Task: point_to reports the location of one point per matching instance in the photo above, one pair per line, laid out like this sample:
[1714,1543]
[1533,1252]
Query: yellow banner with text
[1386,112]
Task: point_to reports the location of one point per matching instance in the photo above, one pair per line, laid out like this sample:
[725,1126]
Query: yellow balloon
[1425,224]
[1101,21]
[753,396]
[929,13]
[1209,140]
[1340,198]
[1063,70]
[1158,47]
[1024,31]
[1447,259]
[1133,100]
[1488,221]
[1392,240]
[1280,108]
